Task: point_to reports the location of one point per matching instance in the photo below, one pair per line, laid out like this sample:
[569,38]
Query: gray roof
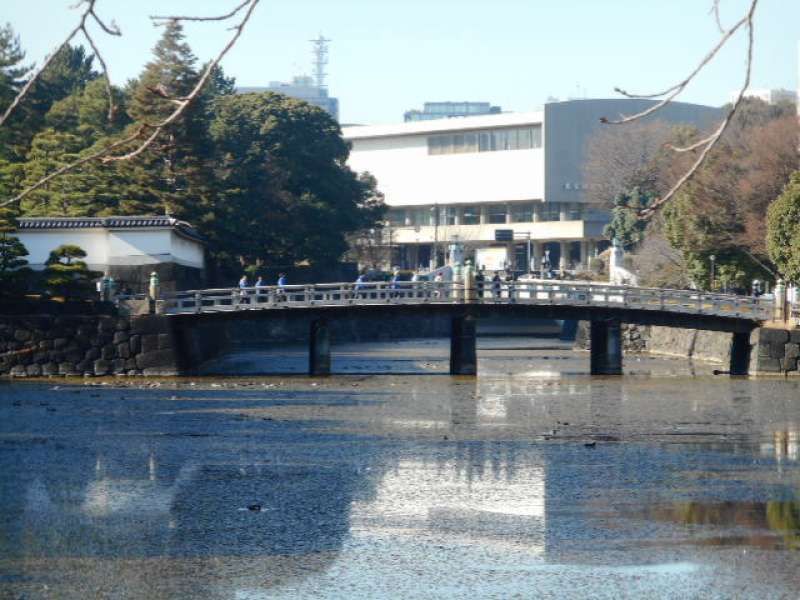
[129,222]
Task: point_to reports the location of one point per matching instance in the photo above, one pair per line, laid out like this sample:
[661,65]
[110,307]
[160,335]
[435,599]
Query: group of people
[244,286]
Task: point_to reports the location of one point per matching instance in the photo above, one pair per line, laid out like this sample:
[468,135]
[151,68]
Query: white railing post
[198,302]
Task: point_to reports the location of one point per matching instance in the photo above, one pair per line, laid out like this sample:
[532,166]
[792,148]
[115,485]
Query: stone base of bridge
[463,353]
[319,349]
[606,347]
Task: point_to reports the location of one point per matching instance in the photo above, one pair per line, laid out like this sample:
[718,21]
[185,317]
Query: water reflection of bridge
[604,306]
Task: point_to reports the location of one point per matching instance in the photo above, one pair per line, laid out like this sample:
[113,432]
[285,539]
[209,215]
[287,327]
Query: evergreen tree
[12,78]
[68,276]
[783,230]
[625,225]
[13,271]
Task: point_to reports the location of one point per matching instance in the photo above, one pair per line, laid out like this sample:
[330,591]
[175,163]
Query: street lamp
[712,258]
[435,211]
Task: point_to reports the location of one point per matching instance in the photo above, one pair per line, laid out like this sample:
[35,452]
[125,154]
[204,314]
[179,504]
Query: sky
[389,56]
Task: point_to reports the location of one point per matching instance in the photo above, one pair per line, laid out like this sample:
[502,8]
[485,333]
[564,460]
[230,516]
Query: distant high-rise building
[447,110]
[309,89]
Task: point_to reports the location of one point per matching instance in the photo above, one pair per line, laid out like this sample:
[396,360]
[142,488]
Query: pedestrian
[260,289]
[394,283]
[480,279]
[281,296]
[496,286]
[243,289]
[438,281]
[359,286]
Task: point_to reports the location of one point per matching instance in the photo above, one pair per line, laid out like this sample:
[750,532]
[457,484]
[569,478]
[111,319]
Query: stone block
[50,368]
[73,356]
[164,341]
[149,324]
[101,367]
[118,365]
[130,364]
[769,365]
[106,325]
[123,350]
[92,353]
[22,335]
[160,372]
[150,342]
[788,364]
[158,359]
[18,371]
[33,370]
[60,343]
[777,350]
[791,350]
[84,366]
[135,344]
[121,336]
[108,352]
[45,345]
[768,335]
[123,324]
[40,358]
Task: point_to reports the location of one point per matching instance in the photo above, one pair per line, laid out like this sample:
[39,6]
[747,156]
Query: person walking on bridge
[243,290]
[281,295]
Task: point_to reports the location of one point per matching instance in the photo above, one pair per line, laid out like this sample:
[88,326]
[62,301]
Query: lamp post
[712,258]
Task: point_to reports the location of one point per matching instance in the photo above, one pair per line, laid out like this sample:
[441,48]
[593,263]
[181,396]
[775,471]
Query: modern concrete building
[303,88]
[126,248]
[447,110]
[770,96]
[464,179]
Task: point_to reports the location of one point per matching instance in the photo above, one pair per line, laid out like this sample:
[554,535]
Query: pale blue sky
[389,56]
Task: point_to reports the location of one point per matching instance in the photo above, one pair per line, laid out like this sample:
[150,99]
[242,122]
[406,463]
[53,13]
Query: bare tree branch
[190,18]
[715,12]
[187,100]
[676,89]
[712,140]
[79,28]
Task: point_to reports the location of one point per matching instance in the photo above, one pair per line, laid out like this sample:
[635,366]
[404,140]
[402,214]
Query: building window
[522,213]
[550,211]
[449,215]
[471,216]
[486,140]
[497,214]
[575,212]
[397,217]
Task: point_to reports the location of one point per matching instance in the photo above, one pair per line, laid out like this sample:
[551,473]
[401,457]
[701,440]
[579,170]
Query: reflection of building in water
[475,490]
[785,444]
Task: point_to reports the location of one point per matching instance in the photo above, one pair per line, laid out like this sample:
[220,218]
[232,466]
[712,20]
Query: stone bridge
[606,307]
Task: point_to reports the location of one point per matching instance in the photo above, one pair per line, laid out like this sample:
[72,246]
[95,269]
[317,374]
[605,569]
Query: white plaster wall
[542,231]
[409,176]
[188,252]
[40,243]
[139,246]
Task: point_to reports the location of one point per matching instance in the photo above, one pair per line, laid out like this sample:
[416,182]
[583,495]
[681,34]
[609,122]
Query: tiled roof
[132,222]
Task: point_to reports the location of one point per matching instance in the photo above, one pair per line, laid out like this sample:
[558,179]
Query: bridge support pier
[606,347]
[319,350]
[740,353]
[463,355]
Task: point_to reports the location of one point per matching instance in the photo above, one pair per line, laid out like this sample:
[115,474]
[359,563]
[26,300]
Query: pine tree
[12,77]
[13,271]
[68,276]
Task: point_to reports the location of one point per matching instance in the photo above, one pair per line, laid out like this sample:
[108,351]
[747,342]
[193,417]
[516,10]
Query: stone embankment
[95,344]
[772,350]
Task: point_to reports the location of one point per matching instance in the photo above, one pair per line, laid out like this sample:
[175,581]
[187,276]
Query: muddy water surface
[533,480]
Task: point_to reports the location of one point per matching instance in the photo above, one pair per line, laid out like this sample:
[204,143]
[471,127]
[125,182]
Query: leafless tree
[704,146]
[145,133]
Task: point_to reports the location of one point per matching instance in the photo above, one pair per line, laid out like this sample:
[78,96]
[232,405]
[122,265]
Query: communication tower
[320,50]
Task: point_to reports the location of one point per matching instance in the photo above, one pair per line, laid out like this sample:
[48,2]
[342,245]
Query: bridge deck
[549,293]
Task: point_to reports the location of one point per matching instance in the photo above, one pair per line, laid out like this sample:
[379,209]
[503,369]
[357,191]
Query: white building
[464,179]
[126,248]
[770,96]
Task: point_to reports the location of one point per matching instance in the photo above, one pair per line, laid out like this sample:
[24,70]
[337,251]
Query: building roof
[127,222]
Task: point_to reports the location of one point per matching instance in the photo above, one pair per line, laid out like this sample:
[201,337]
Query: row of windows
[496,214]
[486,140]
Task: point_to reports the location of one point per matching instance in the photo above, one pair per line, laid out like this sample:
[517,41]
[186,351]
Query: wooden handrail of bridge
[545,292]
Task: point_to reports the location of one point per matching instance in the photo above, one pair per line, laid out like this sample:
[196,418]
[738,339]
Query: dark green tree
[286,194]
[67,275]
[12,77]
[783,230]
[625,225]
[13,271]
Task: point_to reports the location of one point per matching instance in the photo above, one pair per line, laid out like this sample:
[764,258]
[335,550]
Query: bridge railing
[432,292]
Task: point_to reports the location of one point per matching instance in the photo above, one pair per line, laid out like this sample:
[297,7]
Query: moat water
[531,480]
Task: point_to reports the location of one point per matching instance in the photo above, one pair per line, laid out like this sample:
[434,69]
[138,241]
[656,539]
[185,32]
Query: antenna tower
[320,59]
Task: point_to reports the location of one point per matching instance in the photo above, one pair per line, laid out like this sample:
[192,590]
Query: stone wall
[775,351]
[86,345]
